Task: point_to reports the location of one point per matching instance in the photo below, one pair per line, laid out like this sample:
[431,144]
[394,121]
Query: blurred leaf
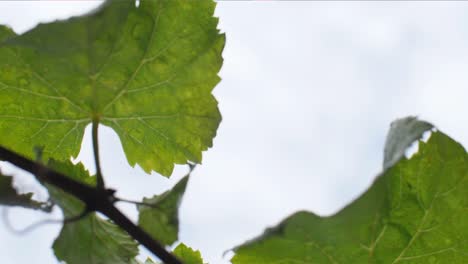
[187,255]
[10,197]
[184,253]
[145,71]
[91,240]
[149,261]
[414,213]
[161,220]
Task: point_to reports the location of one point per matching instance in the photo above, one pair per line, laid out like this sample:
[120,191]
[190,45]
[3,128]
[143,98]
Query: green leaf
[402,133]
[10,197]
[145,71]
[184,253]
[161,220]
[149,261]
[414,213]
[187,255]
[92,239]
[6,33]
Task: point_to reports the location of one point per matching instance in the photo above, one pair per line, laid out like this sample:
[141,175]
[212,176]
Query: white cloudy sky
[308,92]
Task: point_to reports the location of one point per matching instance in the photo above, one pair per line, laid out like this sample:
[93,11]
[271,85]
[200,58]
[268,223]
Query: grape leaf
[149,261]
[6,33]
[145,71]
[92,239]
[184,253]
[188,255]
[161,220]
[9,196]
[414,213]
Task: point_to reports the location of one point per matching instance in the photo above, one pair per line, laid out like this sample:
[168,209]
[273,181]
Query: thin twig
[95,199]
[33,226]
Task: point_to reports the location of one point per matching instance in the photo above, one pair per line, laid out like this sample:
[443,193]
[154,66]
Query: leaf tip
[403,132]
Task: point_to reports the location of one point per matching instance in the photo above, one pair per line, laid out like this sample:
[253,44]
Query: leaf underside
[147,72]
[414,213]
[403,132]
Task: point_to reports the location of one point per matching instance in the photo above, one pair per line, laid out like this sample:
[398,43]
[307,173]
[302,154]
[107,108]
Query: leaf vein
[151,86]
[140,64]
[428,254]
[27,118]
[6,87]
[65,136]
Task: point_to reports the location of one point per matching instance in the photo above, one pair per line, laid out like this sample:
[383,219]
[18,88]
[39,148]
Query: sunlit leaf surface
[145,71]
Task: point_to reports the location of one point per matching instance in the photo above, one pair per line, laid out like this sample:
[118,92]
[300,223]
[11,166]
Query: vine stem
[100,200]
[99,177]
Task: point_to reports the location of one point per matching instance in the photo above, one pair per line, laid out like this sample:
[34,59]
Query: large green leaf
[10,197]
[161,219]
[90,240]
[145,71]
[414,213]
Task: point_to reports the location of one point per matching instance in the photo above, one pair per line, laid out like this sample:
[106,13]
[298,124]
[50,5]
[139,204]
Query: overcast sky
[308,92]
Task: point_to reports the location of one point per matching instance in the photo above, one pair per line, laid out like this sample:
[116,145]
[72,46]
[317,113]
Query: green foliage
[184,253]
[415,212]
[95,240]
[145,71]
[148,72]
[9,196]
[188,255]
[92,239]
[161,219]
